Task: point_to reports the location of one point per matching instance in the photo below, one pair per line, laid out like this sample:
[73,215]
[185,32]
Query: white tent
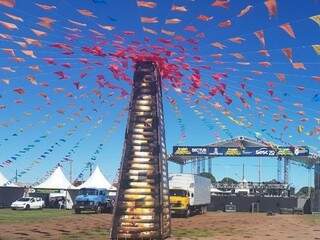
[57,180]
[97,180]
[4,180]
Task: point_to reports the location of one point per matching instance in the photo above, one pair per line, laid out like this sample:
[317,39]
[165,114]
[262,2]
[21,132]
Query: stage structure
[142,206]
[247,147]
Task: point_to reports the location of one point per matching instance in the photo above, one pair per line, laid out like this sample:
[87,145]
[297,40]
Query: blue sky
[97,116]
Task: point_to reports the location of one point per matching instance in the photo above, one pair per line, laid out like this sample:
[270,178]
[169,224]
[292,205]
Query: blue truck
[93,199]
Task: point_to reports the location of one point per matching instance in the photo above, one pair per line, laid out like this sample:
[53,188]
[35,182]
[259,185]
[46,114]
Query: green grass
[97,234]
[192,233]
[313,219]
[8,216]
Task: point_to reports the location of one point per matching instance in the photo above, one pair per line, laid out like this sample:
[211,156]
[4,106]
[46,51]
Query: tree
[209,175]
[228,180]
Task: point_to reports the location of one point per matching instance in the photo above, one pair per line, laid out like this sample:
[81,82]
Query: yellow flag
[316,48]
[316,18]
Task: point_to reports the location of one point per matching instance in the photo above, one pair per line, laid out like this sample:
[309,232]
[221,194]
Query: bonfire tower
[142,206]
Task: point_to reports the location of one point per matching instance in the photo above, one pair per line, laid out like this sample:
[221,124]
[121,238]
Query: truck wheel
[77,211]
[27,207]
[98,209]
[188,213]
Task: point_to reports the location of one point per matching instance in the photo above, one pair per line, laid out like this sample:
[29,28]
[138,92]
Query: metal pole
[259,171]
[210,165]
[203,162]
[181,168]
[279,170]
[198,166]
[286,171]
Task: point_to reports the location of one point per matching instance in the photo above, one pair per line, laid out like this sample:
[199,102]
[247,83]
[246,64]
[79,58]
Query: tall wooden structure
[142,207]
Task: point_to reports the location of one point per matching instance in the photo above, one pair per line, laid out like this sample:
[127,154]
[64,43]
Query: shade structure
[97,180]
[4,182]
[57,180]
[142,206]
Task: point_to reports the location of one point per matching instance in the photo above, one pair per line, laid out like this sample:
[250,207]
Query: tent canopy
[97,180]
[57,180]
[4,180]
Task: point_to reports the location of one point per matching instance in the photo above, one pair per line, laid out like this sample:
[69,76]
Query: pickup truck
[93,199]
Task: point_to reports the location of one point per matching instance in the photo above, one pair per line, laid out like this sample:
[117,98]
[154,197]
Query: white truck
[189,194]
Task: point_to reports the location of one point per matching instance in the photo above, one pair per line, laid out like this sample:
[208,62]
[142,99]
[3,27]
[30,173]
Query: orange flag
[29,53]
[298,65]
[317,78]
[46,22]
[149,19]
[288,29]
[173,21]
[8,3]
[32,41]
[205,18]
[38,33]
[245,11]
[146,4]
[221,3]
[260,36]
[86,13]
[271,6]
[288,53]
[9,26]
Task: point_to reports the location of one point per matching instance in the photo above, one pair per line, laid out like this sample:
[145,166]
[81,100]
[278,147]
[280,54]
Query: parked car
[28,203]
[93,199]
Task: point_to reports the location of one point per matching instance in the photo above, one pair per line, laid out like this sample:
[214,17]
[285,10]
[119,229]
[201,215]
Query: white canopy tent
[97,180]
[4,180]
[57,180]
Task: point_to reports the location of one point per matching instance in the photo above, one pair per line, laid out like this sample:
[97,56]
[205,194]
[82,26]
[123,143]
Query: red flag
[146,4]
[221,3]
[260,36]
[204,18]
[8,3]
[272,7]
[288,53]
[288,29]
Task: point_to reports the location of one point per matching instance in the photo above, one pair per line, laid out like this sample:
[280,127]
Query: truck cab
[179,200]
[93,199]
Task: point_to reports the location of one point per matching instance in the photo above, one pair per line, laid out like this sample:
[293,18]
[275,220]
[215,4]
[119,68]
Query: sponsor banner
[237,151]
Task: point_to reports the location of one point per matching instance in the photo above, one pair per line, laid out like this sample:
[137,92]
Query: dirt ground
[216,226]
